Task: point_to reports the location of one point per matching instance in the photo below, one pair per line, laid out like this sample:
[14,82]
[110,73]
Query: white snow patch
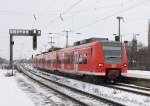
[139,74]
[40,95]
[56,99]
[118,95]
[10,94]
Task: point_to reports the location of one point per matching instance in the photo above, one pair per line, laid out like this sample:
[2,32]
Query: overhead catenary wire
[105,7]
[122,4]
[21,13]
[71,7]
[113,14]
[66,11]
[75,4]
[60,15]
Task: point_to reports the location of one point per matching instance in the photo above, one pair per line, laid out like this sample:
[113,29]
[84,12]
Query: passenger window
[85,59]
[91,51]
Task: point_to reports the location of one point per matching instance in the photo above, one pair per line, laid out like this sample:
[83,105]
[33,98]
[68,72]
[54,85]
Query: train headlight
[125,65]
[100,65]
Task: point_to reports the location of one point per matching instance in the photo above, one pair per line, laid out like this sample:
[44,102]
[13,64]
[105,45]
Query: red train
[94,57]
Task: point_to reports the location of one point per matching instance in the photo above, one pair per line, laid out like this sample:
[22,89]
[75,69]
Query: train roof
[90,40]
[104,41]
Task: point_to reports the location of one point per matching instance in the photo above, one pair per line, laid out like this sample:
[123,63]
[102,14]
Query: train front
[115,59]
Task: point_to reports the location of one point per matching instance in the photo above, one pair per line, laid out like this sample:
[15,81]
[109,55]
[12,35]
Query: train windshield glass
[112,52]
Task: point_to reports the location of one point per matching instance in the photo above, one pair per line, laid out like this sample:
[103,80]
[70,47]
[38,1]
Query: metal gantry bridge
[22,32]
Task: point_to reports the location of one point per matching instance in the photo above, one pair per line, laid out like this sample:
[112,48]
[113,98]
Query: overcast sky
[91,18]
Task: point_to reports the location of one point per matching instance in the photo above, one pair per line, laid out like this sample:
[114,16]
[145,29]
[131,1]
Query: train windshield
[112,52]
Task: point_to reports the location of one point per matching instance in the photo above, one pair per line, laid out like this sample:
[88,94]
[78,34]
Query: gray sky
[91,18]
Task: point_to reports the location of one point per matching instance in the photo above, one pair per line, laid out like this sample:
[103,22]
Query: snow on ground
[139,74]
[40,95]
[19,90]
[10,94]
[122,96]
[126,97]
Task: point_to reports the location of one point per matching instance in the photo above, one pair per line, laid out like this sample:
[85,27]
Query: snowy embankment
[10,94]
[139,74]
[19,90]
[110,93]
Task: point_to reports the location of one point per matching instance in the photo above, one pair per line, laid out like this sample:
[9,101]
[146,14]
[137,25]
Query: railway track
[81,97]
[79,83]
[125,87]
[134,86]
[133,89]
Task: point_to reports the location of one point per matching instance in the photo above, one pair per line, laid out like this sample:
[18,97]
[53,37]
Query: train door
[62,62]
[75,60]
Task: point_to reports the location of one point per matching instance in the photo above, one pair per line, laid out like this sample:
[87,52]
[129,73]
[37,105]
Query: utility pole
[11,52]
[119,19]
[134,50]
[148,52]
[120,38]
[51,42]
[67,37]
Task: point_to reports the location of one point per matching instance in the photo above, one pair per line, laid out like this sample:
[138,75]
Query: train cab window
[80,59]
[85,59]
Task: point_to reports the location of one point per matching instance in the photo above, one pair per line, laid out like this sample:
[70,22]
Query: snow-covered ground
[110,93]
[10,94]
[139,74]
[19,90]
[41,95]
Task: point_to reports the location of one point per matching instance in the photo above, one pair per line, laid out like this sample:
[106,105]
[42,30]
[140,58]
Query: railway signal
[34,42]
[22,32]
[35,33]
